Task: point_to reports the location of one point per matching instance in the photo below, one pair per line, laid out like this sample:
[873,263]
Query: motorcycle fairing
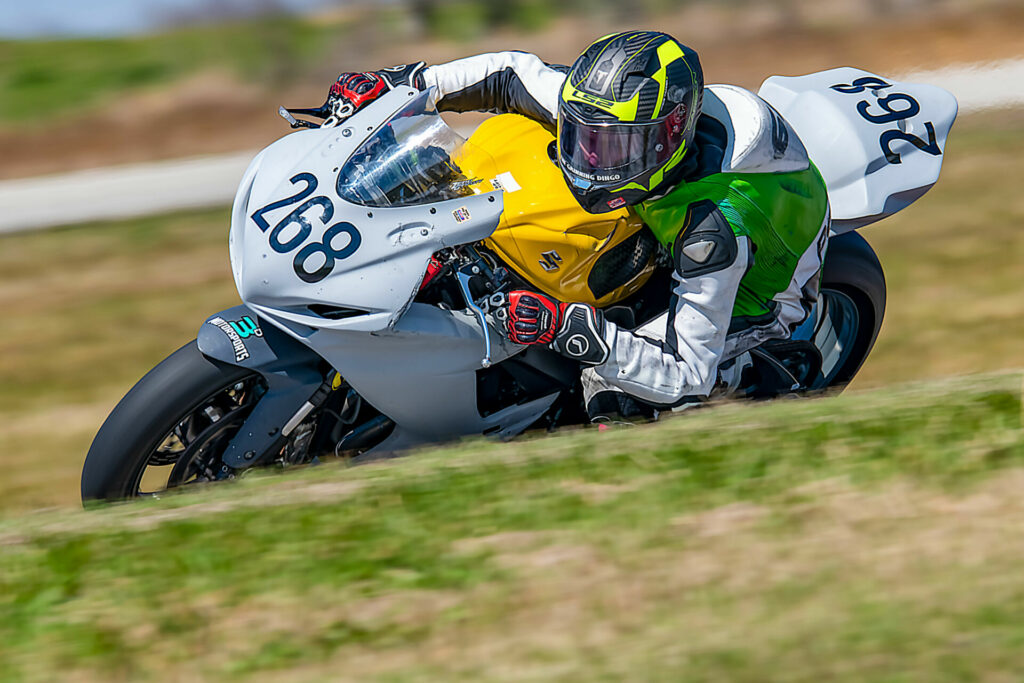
[415,363]
[878,143]
[367,289]
[544,234]
[290,369]
[422,373]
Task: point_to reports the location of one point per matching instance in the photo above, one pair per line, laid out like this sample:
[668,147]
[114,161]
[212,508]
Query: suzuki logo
[550,260]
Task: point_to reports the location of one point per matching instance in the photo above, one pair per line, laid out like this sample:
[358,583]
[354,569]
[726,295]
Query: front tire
[170,428]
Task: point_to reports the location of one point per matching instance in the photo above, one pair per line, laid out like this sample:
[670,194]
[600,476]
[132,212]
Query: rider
[718,176]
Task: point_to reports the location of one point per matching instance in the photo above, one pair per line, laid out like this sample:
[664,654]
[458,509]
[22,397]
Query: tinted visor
[616,152]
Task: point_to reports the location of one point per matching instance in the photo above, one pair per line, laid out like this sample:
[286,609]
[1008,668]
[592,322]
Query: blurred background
[90,303]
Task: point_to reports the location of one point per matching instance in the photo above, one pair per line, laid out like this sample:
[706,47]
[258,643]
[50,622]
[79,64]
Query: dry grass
[872,536]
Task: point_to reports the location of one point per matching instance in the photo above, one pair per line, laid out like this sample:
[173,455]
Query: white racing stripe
[159,187]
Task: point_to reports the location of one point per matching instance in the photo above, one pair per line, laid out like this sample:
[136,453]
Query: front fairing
[305,253]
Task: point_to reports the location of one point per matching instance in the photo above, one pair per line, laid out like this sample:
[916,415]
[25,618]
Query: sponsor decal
[505,182]
[468,182]
[599,177]
[245,327]
[461,214]
[616,203]
[241,353]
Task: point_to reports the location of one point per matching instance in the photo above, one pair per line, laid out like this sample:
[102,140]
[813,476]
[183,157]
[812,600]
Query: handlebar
[332,111]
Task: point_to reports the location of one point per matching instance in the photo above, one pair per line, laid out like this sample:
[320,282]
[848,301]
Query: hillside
[873,536]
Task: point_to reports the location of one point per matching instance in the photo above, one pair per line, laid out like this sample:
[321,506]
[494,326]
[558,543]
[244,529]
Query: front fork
[296,385]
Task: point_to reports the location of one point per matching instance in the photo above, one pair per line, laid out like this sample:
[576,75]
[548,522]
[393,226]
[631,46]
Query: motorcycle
[373,252]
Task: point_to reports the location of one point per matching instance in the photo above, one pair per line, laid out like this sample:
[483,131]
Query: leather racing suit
[746,224]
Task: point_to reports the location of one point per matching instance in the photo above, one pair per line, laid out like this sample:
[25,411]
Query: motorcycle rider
[718,176]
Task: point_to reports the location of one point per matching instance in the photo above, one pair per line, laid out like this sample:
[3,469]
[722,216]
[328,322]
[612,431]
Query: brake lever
[286,114]
[462,278]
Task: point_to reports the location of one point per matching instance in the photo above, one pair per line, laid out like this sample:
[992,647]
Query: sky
[56,18]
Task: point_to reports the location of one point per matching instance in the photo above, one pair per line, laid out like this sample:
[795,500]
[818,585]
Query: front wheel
[171,428]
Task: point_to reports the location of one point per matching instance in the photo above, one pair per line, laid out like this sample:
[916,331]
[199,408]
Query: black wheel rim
[190,452]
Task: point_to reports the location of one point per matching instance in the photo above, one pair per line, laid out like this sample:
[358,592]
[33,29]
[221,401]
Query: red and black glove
[574,330]
[359,89]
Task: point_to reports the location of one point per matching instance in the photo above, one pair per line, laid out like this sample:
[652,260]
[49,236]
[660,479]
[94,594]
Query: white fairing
[386,185]
[377,279]
[878,143]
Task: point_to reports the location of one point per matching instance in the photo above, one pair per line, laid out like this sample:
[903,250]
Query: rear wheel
[852,301]
[171,428]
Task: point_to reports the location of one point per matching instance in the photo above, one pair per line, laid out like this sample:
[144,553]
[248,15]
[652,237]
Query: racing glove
[575,330]
[359,89]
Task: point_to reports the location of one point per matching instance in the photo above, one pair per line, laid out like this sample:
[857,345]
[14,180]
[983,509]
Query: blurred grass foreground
[865,537]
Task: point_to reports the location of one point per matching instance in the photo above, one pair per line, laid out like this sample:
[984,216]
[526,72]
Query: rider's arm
[707,280]
[499,82]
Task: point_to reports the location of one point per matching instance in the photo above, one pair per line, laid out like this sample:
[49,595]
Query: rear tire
[182,390]
[852,276]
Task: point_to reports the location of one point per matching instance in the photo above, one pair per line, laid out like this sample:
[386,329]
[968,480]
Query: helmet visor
[610,153]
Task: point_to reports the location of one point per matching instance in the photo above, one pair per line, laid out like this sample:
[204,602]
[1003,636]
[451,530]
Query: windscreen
[408,160]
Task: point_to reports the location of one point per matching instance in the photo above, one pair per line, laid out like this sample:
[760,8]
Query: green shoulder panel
[780,213]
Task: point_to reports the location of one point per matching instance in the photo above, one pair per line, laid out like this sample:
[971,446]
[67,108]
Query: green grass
[872,536]
[43,79]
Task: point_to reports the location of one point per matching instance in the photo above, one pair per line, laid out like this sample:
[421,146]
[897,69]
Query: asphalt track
[160,187]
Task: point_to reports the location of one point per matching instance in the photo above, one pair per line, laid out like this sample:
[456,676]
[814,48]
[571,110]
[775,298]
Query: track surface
[161,187]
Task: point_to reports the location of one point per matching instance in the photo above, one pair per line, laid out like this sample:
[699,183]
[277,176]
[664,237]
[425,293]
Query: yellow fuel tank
[544,234]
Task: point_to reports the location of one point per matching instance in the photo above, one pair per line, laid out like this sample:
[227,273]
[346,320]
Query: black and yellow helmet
[626,117]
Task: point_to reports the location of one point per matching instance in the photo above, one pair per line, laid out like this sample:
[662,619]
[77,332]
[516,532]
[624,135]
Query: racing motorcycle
[372,254]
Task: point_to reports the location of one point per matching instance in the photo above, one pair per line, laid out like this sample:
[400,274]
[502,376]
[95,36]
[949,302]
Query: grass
[86,310]
[874,536]
[40,80]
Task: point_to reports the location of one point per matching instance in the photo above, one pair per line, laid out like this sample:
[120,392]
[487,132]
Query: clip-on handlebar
[332,111]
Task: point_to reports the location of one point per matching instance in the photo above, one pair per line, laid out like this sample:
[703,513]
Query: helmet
[626,117]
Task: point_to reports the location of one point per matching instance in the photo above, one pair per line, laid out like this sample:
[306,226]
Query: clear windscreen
[411,159]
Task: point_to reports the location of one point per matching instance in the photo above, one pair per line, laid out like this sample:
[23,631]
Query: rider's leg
[608,403]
